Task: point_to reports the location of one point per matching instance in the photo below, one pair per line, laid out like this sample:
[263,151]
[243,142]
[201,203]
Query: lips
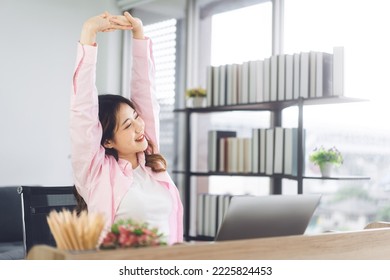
[140,139]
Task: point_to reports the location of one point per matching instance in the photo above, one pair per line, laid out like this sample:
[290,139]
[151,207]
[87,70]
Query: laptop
[267,216]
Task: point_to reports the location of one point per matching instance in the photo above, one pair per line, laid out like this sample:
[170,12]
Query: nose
[138,125]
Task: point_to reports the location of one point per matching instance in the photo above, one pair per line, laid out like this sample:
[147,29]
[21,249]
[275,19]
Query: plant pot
[196,102]
[326,169]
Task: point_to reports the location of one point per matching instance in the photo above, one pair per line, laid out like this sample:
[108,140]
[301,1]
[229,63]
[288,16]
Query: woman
[117,168]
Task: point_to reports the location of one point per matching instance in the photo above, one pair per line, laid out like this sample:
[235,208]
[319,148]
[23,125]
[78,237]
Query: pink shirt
[101,180]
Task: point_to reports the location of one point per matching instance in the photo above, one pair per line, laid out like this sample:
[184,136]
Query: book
[213,215]
[266,79]
[338,71]
[209,85]
[216,84]
[200,204]
[240,155]
[222,85]
[232,154]
[223,155]
[214,150]
[269,156]
[324,74]
[304,75]
[244,84]
[291,151]
[206,215]
[232,84]
[255,150]
[278,150]
[274,78]
[281,77]
[312,74]
[296,75]
[289,77]
[262,151]
[256,81]
[247,155]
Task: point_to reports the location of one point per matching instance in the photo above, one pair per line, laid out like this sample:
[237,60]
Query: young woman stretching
[117,168]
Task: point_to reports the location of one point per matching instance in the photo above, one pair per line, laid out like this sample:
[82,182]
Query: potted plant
[196,97]
[326,159]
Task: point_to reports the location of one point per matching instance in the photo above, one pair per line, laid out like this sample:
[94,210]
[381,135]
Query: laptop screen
[267,216]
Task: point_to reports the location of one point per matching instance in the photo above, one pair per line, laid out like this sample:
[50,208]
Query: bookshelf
[272,84]
[275,107]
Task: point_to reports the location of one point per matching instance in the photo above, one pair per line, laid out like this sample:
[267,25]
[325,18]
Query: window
[360,130]
[248,37]
[163,35]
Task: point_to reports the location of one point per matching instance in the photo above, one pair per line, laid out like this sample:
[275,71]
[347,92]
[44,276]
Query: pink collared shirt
[101,180]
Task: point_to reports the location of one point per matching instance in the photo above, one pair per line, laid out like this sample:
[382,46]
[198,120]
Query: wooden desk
[357,245]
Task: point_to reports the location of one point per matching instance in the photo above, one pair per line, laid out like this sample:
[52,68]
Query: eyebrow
[134,113]
[125,121]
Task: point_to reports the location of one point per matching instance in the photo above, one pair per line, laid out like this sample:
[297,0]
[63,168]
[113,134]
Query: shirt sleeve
[143,88]
[85,129]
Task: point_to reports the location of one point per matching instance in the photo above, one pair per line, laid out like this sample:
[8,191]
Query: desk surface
[365,244]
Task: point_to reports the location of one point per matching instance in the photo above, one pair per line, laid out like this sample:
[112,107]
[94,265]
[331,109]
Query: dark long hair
[108,109]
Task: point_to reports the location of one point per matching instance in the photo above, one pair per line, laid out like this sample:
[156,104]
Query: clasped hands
[107,22]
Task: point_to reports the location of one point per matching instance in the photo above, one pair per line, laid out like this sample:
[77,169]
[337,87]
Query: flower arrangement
[320,156]
[126,234]
[196,92]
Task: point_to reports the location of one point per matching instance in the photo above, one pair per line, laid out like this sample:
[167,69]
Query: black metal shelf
[273,105]
[282,176]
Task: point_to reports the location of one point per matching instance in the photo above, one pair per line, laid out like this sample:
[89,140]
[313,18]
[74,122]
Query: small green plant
[320,156]
[196,92]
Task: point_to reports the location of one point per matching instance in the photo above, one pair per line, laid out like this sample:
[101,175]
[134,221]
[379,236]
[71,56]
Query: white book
[206,215]
[235,84]
[200,214]
[259,81]
[266,79]
[216,86]
[222,86]
[291,151]
[296,76]
[338,71]
[304,75]
[209,86]
[262,152]
[324,76]
[281,77]
[239,82]
[240,155]
[253,81]
[274,78]
[221,210]
[278,150]
[232,144]
[245,82]
[226,203]
[255,150]
[269,157]
[229,84]
[213,222]
[248,155]
[289,77]
[312,74]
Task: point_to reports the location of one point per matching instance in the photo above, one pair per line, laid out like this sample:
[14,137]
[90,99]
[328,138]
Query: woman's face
[129,137]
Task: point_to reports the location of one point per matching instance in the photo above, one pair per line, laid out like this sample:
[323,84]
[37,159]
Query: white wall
[37,54]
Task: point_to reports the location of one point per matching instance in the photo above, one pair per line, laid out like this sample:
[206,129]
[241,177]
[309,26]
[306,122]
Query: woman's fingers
[120,20]
[134,21]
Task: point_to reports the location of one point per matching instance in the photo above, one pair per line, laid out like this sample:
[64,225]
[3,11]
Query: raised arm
[85,128]
[143,90]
